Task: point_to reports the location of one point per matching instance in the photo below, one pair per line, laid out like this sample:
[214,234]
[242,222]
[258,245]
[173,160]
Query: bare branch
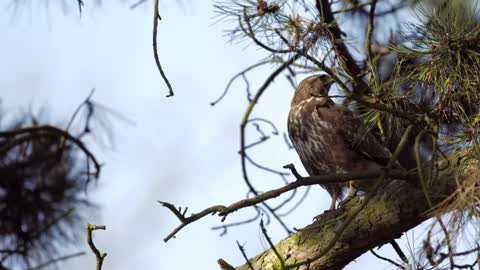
[156,18]
[272,246]
[56,260]
[224,211]
[99,255]
[386,259]
[242,249]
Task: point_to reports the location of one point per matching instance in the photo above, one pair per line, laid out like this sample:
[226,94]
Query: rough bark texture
[397,208]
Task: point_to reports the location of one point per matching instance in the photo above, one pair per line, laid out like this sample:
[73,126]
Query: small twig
[244,254]
[63,258]
[448,240]
[255,143]
[360,6]
[399,251]
[77,110]
[294,171]
[270,123]
[265,168]
[386,259]
[247,84]
[421,175]
[156,18]
[241,73]
[187,220]
[272,246]
[370,27]
[251,34]
[290,80]
[224,265]
[138,3]
[80,6]
[225,227]
[463,253]
[297,204]
[99,255]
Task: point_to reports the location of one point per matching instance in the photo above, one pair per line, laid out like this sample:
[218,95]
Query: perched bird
[328,137]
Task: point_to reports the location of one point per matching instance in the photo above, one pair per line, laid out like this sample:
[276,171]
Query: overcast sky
[179,149]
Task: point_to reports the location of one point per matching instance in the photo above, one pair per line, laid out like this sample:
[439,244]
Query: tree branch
[396,208]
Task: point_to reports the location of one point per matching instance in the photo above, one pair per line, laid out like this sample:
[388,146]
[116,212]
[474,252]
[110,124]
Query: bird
[330,138]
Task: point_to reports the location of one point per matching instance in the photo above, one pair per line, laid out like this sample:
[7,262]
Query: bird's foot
[347,199]
[352,192]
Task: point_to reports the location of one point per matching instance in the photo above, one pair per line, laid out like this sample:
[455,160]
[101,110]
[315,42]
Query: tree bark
[397,208]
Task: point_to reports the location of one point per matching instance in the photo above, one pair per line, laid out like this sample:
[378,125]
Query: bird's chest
[310,134]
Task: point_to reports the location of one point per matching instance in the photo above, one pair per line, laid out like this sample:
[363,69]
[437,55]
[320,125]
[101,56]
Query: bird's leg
[333,205]
[352,191]
[334,201]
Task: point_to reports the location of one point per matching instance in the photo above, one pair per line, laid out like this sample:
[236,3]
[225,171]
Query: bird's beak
[330,81]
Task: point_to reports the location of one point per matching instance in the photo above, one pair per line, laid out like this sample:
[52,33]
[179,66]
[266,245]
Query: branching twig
[251,34]
[87,102]
[244,254]
[244,122]
[386,259]
[294,171]
[99,255]
[225,227]
[187,220]
[241,73]
[223,211]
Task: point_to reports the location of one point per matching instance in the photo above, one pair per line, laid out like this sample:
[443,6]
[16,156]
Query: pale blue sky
[178,149]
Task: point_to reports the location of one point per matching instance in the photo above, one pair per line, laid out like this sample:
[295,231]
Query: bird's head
[316,86]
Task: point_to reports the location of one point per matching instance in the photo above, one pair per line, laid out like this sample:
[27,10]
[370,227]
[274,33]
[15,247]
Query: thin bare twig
[370,27]
[224,211]
[240,74]
[56,260]
[386,259]
[272,246]
[225,227]
[156,18]
[244,122]
[399,251]
[224,265]
[244,254]
[100,256]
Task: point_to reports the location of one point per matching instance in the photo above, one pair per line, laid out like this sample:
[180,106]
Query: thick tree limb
[398,207]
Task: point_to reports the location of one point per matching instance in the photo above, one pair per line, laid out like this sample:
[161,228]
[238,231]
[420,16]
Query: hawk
[328,137]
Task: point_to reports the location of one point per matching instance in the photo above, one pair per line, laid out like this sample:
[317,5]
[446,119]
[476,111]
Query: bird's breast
[311,137]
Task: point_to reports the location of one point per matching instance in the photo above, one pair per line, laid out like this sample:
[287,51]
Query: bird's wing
[351,130]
